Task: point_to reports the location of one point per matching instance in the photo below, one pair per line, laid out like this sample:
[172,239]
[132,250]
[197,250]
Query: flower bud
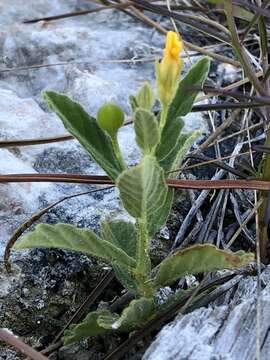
[110,117]
[169,68]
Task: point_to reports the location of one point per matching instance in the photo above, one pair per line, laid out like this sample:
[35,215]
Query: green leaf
[170,144]
[69,237]
[106,321]
[86,130]
[143,190]
[184,99]
[133,103]
[145,98]
[173,146]
[123,235]
[136,314]
[99,322]
[88,327]
[196,259]
[159,218]
[184,144]
[146,129]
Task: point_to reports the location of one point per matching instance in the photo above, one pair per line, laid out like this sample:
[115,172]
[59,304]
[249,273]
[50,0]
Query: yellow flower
[168,69]
[173,48]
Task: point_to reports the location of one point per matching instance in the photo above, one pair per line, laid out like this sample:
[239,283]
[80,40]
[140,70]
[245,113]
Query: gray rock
[226,330]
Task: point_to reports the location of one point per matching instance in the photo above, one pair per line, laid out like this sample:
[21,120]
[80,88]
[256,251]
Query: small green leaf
[136,314]
[123,235]
[184,144]
[88,327]
[170,144]
[184,99]
[145,98]
[133,103]
[69,237]
[159,218]
[143,190]
[86,130]
[173,145]
[106,321]
[196,259]
[146,129]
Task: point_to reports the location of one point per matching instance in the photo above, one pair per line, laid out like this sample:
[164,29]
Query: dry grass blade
[228,106]
[233,94]
[184,19]
[244,223]
[76,13]
[256,9]
[218,163]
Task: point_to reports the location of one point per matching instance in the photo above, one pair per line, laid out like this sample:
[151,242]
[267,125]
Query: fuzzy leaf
[126,278]
[145,98]
[143,189]
[106,321]
[184,99]
[133,103]
[88,327]
[123,235]
[173,145]
[196,259]
[170,144]
[159,218]
[146,129]
[69,237]
[136,314]
[184,144]
[86,130]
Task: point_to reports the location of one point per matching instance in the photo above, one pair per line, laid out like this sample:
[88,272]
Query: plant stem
[263,220]
[263,213]
[143,260]
[163,115]
[118,152]
[239,49]
[263,217]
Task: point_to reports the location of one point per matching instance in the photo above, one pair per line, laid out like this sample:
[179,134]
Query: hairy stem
[163,116]
[118,152]
[143,260]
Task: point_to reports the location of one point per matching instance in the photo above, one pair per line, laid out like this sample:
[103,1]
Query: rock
[224,330]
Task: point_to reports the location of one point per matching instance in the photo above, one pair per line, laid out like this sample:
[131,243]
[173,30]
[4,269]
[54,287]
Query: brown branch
[25,349]
[105,180]
[27,142]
